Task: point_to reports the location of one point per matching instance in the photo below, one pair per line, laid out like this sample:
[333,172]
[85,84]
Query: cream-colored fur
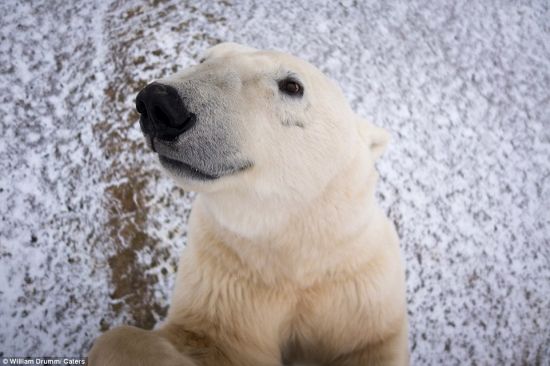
[291,261]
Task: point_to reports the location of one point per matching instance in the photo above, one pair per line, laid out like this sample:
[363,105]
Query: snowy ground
[90,230]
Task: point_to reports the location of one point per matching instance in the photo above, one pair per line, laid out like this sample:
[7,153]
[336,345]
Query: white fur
[291,259]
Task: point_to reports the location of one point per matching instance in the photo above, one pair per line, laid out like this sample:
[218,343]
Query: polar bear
[289,259]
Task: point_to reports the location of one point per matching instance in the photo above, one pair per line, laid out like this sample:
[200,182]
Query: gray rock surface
[90,230]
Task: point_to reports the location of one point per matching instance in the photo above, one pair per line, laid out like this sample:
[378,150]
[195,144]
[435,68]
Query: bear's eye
[291,87]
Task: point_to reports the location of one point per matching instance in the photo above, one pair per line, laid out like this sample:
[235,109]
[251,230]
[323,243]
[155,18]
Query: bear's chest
[330,321]
[341,317]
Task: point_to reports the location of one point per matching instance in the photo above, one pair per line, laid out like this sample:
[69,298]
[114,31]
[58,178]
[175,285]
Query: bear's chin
[183,170]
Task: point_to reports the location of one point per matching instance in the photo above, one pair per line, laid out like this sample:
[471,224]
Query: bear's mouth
[185,169]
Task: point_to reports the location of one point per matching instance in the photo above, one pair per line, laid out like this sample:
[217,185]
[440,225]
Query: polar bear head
[262,123]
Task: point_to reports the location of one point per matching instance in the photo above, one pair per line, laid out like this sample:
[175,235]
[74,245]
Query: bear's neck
[299,242]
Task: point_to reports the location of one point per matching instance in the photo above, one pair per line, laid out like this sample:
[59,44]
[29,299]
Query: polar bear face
[261,122]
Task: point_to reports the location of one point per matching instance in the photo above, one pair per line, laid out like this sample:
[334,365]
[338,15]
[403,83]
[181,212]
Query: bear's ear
[375,137]
[225,49]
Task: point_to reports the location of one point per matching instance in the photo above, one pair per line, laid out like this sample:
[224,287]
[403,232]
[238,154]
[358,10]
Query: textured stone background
[90,230]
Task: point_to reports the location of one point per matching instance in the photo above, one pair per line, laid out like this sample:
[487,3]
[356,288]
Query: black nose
[163,113]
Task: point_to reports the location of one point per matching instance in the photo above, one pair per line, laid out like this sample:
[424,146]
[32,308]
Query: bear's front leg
[210,347]
[131,346]
[393,351]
